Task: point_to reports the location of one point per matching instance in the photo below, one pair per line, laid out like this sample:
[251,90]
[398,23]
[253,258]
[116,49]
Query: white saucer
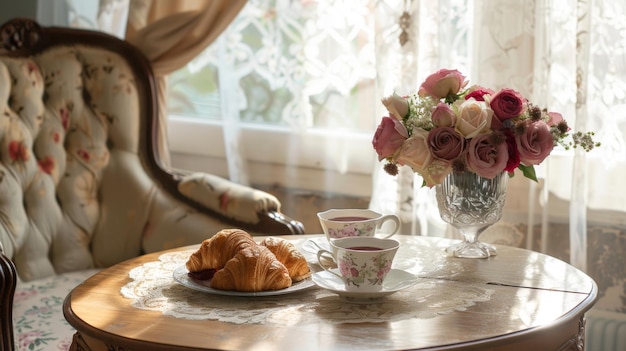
[315,244]
[395,281]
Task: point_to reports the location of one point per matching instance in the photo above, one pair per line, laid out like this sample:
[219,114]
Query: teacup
[363,262]
[341,223]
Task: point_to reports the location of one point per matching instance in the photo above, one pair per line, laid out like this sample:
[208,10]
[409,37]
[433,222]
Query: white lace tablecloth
[437,292]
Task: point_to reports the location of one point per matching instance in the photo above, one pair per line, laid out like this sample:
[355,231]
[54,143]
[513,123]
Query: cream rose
[435,172]
[473,117]
[396,105]
[415,152]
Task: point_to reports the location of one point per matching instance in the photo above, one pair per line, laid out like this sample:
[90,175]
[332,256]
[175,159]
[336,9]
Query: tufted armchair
[81,184]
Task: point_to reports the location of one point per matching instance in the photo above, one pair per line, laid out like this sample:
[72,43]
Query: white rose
[396,105]
[473,117]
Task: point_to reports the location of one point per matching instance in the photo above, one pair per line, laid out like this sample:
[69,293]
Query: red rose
[514,159]
[506,104]
[478,93]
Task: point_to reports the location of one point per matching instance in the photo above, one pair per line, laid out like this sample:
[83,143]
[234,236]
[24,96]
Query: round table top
[509,301]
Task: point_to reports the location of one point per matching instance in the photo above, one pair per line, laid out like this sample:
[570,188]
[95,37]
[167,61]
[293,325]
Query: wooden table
[536,302]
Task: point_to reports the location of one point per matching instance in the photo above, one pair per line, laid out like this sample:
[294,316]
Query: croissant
[288,255]
[250,270]
[215,251]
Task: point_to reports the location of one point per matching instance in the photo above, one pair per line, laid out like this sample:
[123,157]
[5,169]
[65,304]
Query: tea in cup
[341,223]
[363,262]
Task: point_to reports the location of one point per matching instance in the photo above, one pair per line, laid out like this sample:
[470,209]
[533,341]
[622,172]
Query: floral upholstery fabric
[37,307]
[74,192]
[212,192]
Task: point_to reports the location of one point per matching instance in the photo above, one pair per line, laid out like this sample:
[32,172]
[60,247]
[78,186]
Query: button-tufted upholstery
[80,182]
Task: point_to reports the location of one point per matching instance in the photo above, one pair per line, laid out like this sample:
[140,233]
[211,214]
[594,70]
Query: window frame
[305,160]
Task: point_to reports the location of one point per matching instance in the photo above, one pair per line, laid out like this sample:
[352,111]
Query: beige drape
[170,34]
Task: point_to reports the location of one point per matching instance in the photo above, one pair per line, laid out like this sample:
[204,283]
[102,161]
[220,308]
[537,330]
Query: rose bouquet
[446,126]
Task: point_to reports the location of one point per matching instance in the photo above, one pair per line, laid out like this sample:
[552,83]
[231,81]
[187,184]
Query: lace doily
[154,288]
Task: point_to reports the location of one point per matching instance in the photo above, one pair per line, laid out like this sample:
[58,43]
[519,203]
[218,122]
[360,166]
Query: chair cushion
[38,320]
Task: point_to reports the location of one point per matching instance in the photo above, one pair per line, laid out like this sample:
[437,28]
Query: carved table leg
[577,341]
[79,344]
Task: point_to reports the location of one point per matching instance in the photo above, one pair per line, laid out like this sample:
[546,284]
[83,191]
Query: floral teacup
[363,262]
[341,223]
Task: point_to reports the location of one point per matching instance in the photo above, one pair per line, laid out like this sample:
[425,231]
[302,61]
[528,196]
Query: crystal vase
[471,203]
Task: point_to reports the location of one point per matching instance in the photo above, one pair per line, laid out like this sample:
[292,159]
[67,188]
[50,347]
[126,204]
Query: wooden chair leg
[8,280]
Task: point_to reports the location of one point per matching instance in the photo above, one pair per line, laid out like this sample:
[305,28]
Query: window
[295,81]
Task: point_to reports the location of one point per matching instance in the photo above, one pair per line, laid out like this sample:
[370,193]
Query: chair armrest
[230,199]
[236,201]
[8,281]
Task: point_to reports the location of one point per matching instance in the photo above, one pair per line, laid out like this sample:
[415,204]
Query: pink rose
[445,143]
[487,155]
[415,152]
[506,104]
[442,83]
[535,144]
[473,117]
[443,116]
[396,105]
[345,267]
[555,118]
[354,272]
[478,93]
[389,136]
[384,270]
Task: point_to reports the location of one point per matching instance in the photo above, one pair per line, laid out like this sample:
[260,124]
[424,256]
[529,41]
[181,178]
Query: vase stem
[470,247]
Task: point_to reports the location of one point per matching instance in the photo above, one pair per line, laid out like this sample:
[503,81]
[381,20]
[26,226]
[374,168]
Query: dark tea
[349,219]
[364,248]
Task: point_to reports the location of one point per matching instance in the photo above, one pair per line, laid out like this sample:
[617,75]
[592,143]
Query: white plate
[181,275]
[395,281]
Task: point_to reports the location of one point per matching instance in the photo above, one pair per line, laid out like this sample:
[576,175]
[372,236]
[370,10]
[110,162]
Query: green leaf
[528,171]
